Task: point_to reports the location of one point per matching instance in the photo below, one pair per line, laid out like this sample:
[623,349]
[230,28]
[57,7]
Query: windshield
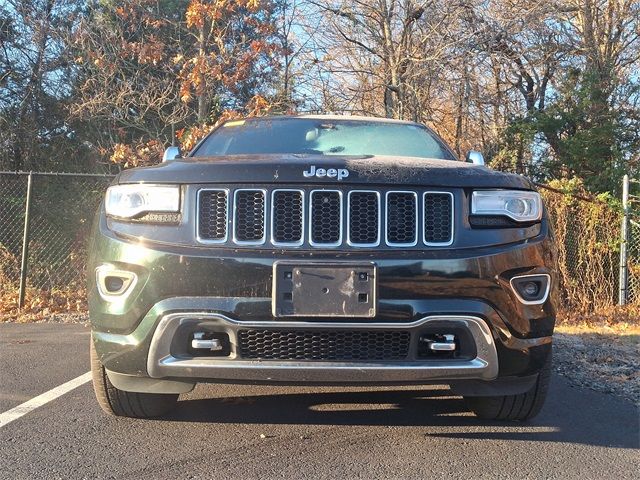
[322,137]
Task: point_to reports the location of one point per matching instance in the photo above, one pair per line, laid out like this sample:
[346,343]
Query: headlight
[129,201]
[521,206]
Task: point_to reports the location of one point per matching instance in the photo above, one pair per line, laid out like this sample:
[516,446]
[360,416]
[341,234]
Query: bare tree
[378,51]
[35,81]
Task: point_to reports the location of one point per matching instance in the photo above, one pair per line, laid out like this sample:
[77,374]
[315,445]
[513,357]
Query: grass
[613,329]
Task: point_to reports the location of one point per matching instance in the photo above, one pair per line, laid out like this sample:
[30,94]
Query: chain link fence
[52,268]
[588,249]
[12,207]
[633,262]
[44,225]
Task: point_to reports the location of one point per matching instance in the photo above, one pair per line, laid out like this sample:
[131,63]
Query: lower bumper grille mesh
[324,344]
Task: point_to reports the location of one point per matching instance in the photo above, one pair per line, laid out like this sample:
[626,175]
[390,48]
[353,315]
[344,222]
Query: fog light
[531,289]
[114,284]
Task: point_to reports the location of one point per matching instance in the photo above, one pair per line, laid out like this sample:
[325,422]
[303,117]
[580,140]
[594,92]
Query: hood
[290,169]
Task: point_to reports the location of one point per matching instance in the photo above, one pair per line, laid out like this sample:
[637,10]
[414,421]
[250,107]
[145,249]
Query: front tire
[521,407]
[126,404]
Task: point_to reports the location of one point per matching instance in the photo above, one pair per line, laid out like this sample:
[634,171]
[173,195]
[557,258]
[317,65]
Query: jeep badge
[338,173]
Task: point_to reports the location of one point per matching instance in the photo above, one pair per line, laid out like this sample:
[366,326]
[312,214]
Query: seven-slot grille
[325,218]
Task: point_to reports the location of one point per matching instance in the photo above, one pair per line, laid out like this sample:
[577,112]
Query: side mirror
[171,153]
[475,157]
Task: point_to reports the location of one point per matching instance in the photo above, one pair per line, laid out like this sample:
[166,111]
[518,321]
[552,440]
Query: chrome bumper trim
[161,363]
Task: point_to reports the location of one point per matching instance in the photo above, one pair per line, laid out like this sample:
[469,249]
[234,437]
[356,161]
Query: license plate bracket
[324,289]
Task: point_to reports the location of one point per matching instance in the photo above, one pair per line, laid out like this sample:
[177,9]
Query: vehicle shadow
[570,415]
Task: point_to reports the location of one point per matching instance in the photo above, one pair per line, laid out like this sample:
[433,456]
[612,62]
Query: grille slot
[287,217]
[213,215]
[326,218]
[438,218]
[249,216]
[402,221]
[364,218]
[324,344]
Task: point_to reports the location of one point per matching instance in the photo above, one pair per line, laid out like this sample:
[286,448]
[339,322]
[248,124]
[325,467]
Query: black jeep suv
[321,250]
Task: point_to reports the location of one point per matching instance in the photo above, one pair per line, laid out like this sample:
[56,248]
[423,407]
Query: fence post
[25,242]
[622,294]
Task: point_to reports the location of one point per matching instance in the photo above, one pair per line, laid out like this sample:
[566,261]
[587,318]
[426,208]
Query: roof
[337,117]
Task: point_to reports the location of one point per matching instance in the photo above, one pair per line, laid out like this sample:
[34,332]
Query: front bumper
[232,288]
[162,362]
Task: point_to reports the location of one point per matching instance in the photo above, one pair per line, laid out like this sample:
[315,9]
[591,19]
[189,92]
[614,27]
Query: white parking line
[26,407]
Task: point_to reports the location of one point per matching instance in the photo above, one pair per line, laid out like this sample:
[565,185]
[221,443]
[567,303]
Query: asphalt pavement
[228,431]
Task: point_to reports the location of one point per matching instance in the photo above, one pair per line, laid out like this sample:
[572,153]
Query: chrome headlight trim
[505,203]
[130,200]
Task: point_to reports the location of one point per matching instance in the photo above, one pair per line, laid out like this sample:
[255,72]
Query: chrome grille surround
[199,236]
[274,203]
[389,224]
[451,219]
[263,238]
[338,242]
[430,216]
[350,218]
